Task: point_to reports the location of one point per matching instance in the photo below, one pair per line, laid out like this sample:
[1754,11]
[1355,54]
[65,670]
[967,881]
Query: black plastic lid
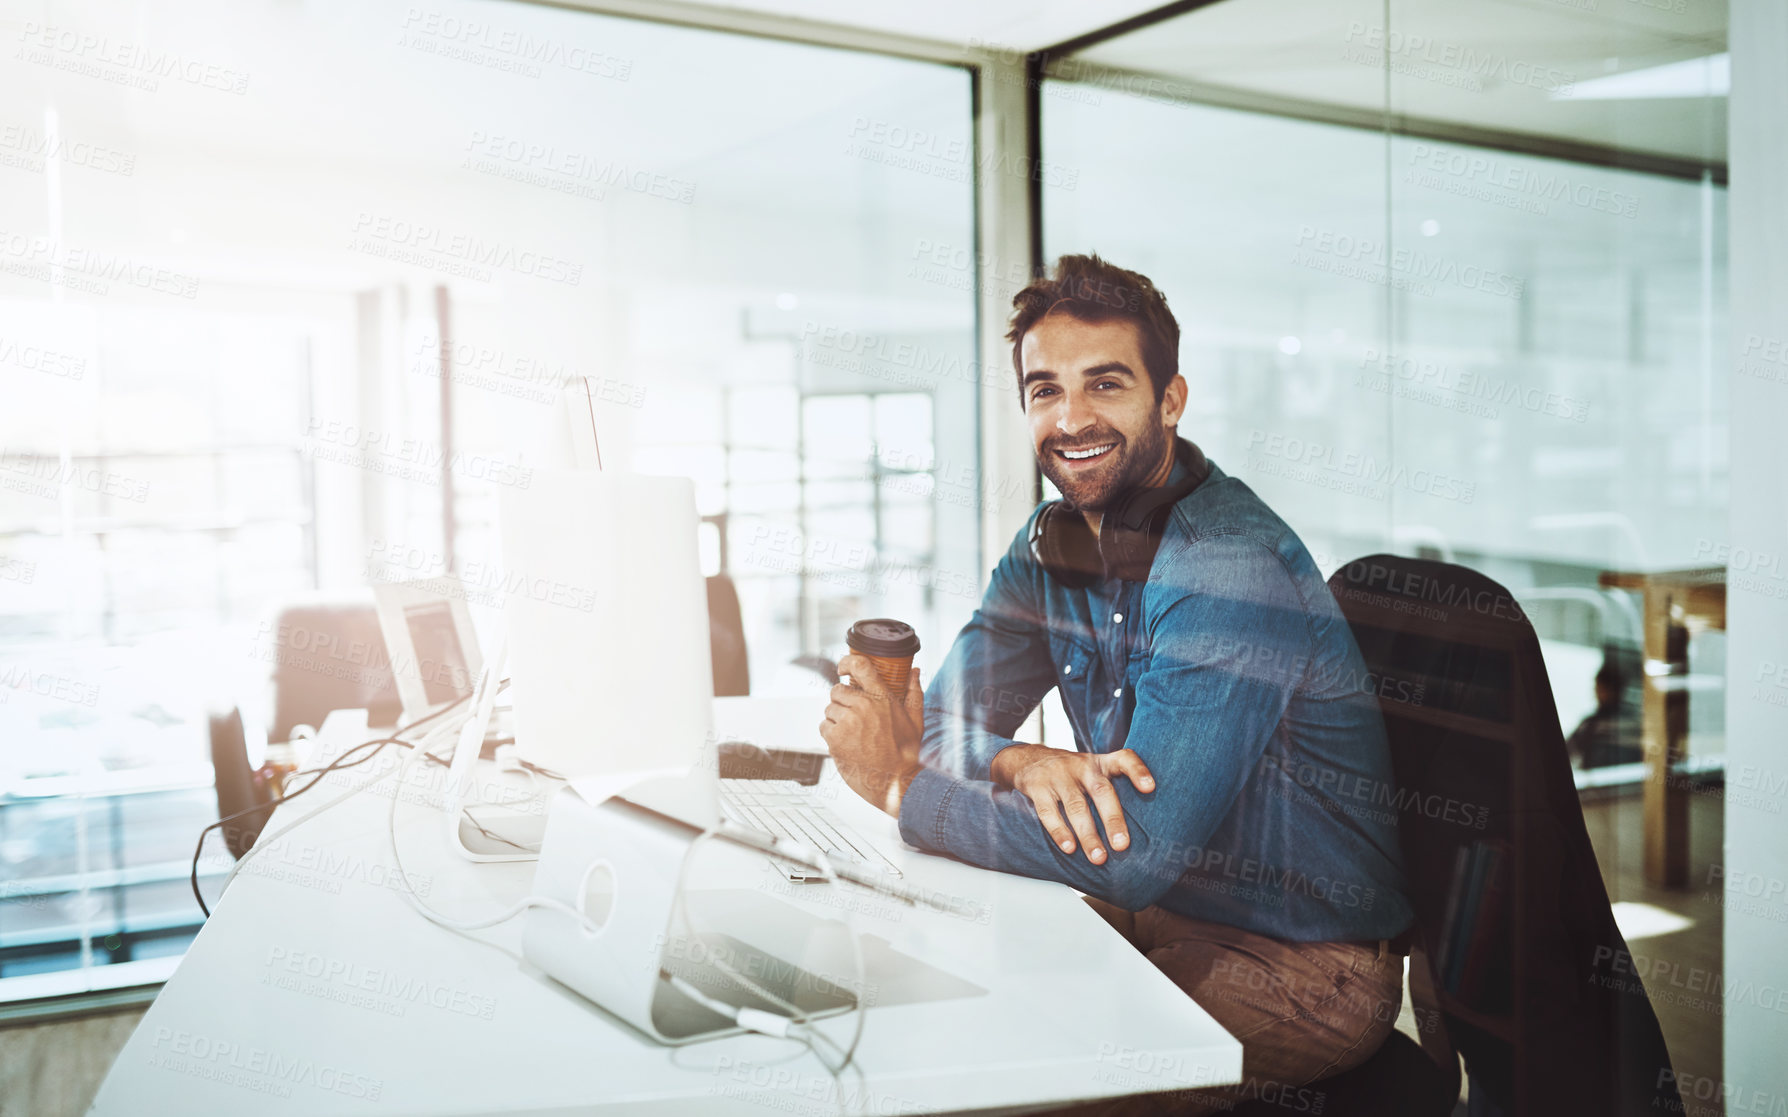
[882,636]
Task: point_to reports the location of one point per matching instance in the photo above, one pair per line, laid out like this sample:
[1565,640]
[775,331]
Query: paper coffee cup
[890,645]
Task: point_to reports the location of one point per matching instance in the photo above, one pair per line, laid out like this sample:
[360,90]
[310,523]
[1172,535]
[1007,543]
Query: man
[1223,807]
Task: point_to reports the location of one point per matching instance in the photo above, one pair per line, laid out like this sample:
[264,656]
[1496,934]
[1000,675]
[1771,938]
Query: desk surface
[315,988]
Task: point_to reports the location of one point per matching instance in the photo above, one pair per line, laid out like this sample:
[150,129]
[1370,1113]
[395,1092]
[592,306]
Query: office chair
[309,683]
[726,639]
[335,659]
[236,787]
[328,656]
[1529,985]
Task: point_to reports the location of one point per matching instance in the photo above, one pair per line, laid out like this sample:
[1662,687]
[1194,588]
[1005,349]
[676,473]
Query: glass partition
[1451,280]
[280,320]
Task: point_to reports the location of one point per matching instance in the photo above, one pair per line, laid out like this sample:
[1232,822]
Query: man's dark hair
[1094,291]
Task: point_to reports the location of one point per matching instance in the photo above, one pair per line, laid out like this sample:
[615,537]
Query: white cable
[264,841]
[797,1026]
[433,916]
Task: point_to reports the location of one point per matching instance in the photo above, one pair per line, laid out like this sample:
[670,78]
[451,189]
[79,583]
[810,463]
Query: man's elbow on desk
[940,810]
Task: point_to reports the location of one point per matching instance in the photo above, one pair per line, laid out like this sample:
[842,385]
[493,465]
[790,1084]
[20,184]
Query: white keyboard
[785,809]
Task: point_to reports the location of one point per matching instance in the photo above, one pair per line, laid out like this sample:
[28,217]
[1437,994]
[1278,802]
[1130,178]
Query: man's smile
[1082,457]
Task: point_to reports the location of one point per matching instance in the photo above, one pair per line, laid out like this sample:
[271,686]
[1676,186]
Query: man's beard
[1126,466]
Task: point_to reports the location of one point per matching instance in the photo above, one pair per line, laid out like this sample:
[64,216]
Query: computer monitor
[431,642]
[607,619]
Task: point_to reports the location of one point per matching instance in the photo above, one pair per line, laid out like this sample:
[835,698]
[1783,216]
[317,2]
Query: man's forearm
[1006,762]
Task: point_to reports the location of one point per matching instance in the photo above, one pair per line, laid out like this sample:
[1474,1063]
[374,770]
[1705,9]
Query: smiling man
[1228,805]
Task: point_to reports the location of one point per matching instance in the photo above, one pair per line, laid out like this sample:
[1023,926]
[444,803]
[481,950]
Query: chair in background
[331,657]
[726,639]
[1516,947]
[237,789]
[327,656]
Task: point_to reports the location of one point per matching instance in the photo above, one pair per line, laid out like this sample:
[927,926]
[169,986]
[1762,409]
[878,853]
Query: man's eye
[1039,393]
[1108,384]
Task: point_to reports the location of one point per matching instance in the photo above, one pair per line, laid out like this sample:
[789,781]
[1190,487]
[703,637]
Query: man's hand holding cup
[874,723]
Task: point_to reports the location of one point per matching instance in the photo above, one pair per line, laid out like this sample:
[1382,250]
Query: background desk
[315,988]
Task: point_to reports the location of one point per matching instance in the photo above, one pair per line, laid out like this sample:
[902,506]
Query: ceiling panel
[1014,24]
[1534,67]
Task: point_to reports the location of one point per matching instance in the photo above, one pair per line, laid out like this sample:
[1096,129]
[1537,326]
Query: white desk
[315,988]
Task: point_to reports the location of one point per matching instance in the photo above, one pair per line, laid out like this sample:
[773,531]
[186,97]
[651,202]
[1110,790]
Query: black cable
[340,763]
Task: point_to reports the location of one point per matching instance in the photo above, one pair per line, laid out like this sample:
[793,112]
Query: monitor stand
[618,863]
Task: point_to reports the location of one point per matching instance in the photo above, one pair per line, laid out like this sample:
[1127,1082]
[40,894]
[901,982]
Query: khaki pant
[1302,1010]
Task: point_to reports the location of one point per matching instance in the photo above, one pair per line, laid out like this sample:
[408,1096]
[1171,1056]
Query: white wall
[1756,862]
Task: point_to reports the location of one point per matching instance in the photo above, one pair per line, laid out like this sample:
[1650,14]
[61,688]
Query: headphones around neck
[1129,532]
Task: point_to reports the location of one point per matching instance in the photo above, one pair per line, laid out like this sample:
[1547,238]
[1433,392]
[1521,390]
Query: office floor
[1693,1033]
[54,1070]
[51,1070]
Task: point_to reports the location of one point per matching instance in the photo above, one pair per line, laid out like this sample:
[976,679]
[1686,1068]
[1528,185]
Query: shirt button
[1117,618]
[1067,668]
[1118,693]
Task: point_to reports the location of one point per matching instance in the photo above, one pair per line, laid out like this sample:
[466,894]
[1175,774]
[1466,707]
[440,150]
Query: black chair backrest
[1525,960]
[726,639]
[235,783]
[330,656]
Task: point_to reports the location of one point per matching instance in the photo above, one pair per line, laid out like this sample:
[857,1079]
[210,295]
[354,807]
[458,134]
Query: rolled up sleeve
[1228,645]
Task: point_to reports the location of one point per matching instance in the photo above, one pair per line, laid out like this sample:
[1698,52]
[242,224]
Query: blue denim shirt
[1234,676]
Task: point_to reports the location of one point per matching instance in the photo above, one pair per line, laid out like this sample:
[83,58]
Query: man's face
[1095,424]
